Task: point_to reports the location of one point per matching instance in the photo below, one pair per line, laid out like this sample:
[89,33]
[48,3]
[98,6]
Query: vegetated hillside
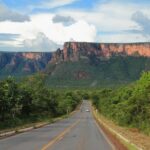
[20,64]
[127,106]
[93,71]
[81,64]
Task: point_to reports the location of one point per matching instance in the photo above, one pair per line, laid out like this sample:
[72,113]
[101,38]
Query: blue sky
[84,4]
[44,25]
[25,3]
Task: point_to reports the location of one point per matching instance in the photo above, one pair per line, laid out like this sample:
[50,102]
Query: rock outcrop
[17,62]
[73,51]
[32,56]
[30,62]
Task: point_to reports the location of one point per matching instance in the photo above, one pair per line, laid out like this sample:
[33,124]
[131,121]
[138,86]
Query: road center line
[60,136]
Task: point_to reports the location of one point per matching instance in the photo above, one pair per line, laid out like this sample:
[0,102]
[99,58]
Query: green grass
[128,145]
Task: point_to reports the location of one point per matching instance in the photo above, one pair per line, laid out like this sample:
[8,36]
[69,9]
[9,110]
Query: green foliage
[127,106]
[9,99]
[89,71]
[31,99]
[100,72]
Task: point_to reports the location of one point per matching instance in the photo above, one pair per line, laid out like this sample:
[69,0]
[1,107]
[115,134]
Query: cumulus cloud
[65,20]
[58,33]
[93,24]
[112,16]
[7,14]
[143,22]
[40,43]
[81,31]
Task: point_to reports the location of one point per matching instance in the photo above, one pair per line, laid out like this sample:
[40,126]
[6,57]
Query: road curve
[79,132]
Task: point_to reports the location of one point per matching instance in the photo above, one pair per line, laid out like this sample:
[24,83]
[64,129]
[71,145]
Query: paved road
[79,132]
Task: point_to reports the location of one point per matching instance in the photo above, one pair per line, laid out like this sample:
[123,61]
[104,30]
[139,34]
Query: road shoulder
[131,138]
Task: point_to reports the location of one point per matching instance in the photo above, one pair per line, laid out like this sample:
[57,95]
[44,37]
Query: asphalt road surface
[79,132]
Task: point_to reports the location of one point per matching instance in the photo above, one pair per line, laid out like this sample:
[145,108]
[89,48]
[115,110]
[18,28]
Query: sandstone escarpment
[26,62]
[73,51]
[32,56]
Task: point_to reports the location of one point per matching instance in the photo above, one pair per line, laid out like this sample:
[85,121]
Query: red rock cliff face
[143,49]
[72,51]
[32,55]
[23,62]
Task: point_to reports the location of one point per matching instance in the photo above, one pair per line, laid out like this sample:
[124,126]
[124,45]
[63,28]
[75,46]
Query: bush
[31,99]
[127,106]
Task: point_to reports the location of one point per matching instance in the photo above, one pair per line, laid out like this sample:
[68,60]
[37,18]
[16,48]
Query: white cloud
[107,16]
[40,43]
[79,31]
[88,25]
[143,22]
[111,16]
[59,33]
[7,14]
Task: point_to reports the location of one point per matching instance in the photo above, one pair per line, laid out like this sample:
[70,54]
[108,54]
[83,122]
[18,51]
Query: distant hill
[86,73]
[95,64]
[81,64]
[20,64]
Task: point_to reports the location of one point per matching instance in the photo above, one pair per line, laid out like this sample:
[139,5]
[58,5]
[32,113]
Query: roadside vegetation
[31,101]
[127,106]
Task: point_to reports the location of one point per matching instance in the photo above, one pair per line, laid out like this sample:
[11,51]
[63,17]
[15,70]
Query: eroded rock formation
[29,62]
[73,51]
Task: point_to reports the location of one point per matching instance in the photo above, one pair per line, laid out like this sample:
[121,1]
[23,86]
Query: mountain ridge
[13,63]
[72,50]
[81,63]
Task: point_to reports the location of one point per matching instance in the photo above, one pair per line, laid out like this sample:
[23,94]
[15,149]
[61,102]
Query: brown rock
[73,50]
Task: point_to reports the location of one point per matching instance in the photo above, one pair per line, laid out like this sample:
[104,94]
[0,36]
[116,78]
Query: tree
[9,99]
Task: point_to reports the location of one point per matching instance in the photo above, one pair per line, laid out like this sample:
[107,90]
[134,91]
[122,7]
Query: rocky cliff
[73,51]
[22,63]
[17,63]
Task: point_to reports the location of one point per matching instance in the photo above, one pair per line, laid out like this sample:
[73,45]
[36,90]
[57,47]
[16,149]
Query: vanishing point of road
[78,132]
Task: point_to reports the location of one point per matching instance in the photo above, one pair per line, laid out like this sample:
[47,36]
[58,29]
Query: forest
[127,106]
[31,101]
